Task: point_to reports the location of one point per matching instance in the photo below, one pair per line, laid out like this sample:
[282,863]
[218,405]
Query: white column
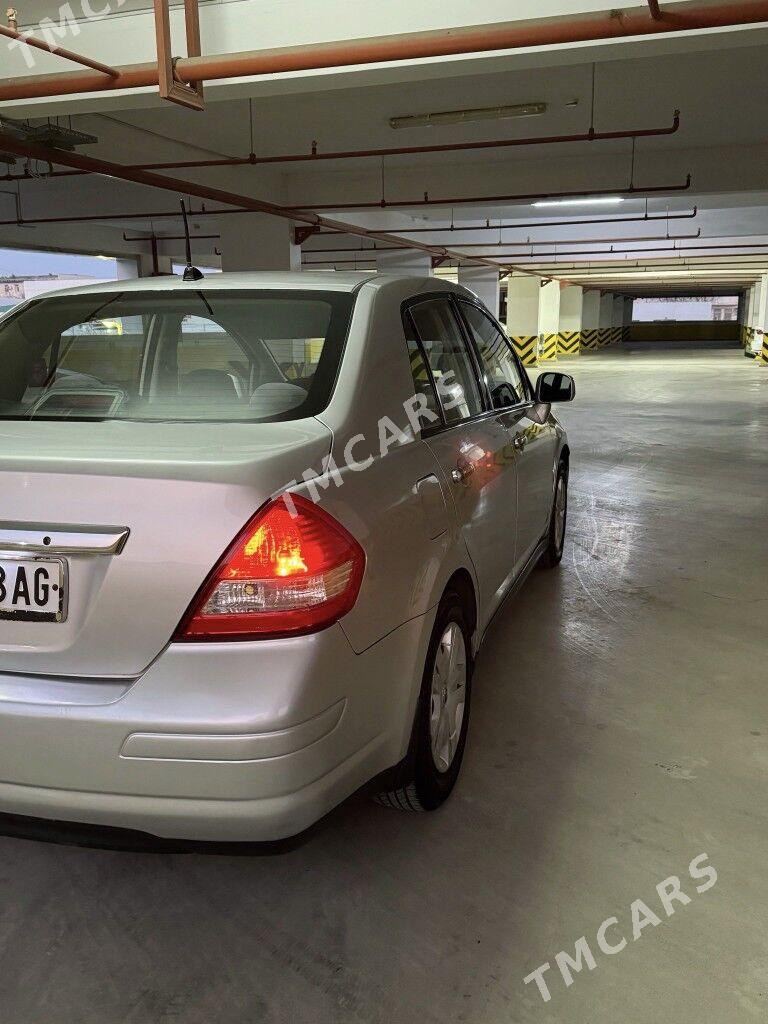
[484,282]
[127,269]
[571,310]
[626,322]
[523,316]
[590,320]
[606,319]
[147,267]
[760,343]
[750,305]
[746,318]
[618,319]
[404,262]
[549,319]
[257,241]
[754,341]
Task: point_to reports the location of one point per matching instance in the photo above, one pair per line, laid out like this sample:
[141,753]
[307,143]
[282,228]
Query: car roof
[279,280]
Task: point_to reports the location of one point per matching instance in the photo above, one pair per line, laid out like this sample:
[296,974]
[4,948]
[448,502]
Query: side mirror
[555,387]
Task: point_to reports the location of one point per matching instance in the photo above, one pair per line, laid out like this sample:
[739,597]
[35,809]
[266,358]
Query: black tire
[553,554]
[419,784]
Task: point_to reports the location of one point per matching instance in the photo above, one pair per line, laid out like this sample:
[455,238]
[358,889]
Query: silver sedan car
[253,529]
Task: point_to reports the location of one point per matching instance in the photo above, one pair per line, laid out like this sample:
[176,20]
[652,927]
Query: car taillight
[292,570]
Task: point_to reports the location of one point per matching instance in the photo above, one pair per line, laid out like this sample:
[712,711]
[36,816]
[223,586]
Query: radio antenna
[190,273]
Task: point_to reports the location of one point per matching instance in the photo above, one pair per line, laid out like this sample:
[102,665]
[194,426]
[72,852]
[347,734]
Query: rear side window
[178,355]
[449,361]
[505,382]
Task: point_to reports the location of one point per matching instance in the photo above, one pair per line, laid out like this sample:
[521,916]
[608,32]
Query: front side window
[504,379]
[211,355]
[450,364]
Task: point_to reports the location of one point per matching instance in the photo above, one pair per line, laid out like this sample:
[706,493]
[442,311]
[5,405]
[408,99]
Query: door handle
[462,471]
[519,442]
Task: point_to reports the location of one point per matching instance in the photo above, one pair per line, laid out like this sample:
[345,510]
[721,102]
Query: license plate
[33,589]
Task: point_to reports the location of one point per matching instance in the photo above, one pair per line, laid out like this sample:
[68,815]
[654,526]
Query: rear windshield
[192,355]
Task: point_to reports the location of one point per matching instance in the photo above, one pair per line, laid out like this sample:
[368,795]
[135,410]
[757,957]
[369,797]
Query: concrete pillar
[147,268]
[590,320]
[745,300]
[405,262]
[629,305]
[757,301]
[257,242]
[752,319]
[523,316]
[617,327]
[605,327]
[128,269]
[484,282]
[569,335]
[748,329]
[760,343]
[549,320]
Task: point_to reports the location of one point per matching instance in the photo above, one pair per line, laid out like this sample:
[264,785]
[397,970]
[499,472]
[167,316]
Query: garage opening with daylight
[383,502]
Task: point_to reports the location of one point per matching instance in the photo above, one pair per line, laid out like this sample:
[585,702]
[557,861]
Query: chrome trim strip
[63,539]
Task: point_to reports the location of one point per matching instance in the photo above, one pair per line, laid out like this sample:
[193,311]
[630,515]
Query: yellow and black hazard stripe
[418,367]
[762,355]
[547,347]
[616,335]
[589,339]
[568,343]
[525,345]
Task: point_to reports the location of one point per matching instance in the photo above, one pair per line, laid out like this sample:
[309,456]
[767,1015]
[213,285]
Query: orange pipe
[356,154]
[181,187]
[58,51]
[393,204]
[403,47]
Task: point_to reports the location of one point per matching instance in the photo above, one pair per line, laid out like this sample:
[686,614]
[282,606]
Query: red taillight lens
[292,570]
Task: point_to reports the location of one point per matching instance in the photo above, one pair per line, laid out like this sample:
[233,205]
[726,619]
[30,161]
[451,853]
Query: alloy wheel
[448,696]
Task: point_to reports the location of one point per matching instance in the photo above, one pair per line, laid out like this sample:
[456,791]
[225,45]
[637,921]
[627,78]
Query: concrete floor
[620,729]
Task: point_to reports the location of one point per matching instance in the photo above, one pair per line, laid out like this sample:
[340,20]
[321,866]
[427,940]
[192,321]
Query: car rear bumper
[248,741]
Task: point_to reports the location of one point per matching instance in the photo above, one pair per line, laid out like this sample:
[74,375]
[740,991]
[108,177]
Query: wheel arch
[462,584]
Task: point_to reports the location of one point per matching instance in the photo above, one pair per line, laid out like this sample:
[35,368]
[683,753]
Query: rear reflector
[292,570]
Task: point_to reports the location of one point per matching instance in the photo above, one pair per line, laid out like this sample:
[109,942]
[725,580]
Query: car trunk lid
[183,491]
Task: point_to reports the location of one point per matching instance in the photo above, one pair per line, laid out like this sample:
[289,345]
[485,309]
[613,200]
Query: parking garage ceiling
[646,228]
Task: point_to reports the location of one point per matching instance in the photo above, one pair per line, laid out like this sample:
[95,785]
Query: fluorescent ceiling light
[595,201]
[465,116]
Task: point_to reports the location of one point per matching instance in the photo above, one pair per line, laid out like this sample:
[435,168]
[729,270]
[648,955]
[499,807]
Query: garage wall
[692,330]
